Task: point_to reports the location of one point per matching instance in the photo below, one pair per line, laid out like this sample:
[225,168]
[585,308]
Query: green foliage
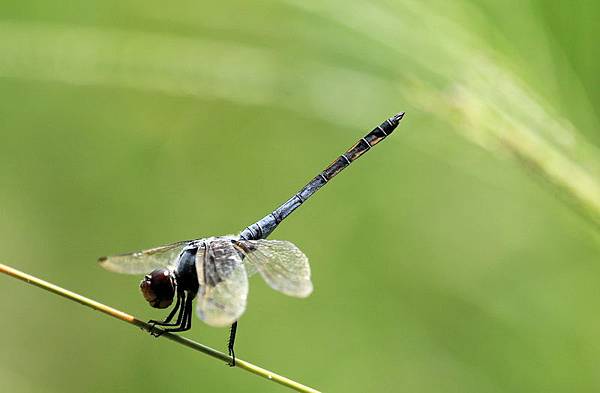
[437,266]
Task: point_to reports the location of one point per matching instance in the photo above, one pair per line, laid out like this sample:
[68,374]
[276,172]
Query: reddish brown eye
[158,288]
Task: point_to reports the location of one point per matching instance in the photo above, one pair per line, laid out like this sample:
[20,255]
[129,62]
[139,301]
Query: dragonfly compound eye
[158,288]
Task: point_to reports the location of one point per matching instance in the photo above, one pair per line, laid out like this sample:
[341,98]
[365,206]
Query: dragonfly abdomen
[262,228]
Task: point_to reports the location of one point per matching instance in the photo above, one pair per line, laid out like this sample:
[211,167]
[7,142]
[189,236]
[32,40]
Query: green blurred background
[455,257]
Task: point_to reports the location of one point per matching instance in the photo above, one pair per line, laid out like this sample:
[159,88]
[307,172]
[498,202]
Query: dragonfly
[214,271]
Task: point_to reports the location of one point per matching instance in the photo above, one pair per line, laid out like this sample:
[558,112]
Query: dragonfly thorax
[185,272]
[158,288]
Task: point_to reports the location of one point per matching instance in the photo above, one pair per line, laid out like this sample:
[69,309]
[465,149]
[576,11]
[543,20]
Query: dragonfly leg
[187,317]
[231,343]
[180,317]
[167,320]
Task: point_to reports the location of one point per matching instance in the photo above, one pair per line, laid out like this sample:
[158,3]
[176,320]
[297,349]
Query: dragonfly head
[158,288]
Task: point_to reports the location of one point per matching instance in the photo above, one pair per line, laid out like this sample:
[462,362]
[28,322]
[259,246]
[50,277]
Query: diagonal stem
[173,337]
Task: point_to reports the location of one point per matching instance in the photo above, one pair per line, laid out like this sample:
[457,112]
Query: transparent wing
[280,263]
[141,262]
[223,284]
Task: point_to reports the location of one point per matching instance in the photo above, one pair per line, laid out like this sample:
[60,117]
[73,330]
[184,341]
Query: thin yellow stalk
[136,322]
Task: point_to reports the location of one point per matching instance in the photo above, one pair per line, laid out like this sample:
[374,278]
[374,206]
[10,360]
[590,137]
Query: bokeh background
[461,255]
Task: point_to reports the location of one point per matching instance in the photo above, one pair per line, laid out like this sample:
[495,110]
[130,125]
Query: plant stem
[136,322]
